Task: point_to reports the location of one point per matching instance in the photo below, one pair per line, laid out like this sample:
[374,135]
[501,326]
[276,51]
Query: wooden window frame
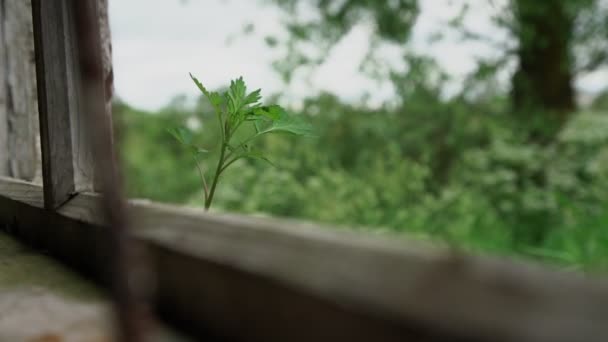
[261,279]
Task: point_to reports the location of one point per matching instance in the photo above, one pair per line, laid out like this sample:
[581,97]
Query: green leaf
[197,150]
[199,84]
[274,112]
[236,95]
[253,97]
[181,134]
[184,136]
[256,155]
[213,97]
[288,124]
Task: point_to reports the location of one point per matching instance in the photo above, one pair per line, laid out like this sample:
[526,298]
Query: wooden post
[4,170]
[20,150]
[84,170]
[84,177]
[51,34]
[19,154]
[131,312]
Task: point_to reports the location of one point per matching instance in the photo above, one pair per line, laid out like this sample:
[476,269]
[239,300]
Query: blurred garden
[514,165]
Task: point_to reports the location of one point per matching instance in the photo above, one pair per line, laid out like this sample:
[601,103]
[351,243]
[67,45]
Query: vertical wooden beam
[84,170]
[19,154]
[83,158]
[81,145]
[108,68]
[131,312]
[3,97]
[20,150]
[51,32]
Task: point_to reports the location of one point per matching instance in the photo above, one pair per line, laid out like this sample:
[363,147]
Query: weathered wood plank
[19,154]
[22,191]
[81,144]
[274,280]
[4,169]
[106,55]
[18,96]
[51,32]
[84,170]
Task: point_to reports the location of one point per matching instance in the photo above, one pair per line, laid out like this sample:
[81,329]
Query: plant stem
[229,163]
[242,145]
[216,177]
[202,175]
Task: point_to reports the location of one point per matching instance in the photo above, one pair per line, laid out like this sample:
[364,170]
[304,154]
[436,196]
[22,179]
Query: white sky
[157,42]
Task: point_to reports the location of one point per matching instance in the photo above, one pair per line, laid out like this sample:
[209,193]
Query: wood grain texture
[19,123]
[19,155]
[4,155]
[84,170]
[108,70]
[81,144]
[22,191]
[51,31]
[256,279]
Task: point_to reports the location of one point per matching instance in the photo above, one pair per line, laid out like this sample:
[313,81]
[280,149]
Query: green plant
[234,108]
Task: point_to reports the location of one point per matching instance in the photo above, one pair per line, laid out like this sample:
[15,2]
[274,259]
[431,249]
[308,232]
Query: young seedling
[234,110]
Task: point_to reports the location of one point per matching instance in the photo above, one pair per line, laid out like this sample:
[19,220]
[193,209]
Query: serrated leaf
[238,88]
[274,112]
[295,127]
[235,95]
[214,97]
[288,124]
[200,85]
[253,97]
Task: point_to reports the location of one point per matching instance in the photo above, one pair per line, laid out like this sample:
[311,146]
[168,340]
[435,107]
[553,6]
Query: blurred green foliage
[458,171]
[513,170]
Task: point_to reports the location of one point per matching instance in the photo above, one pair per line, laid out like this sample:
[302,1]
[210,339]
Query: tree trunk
[544,79]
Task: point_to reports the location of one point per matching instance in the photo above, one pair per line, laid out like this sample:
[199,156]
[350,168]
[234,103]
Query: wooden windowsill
[278,280]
